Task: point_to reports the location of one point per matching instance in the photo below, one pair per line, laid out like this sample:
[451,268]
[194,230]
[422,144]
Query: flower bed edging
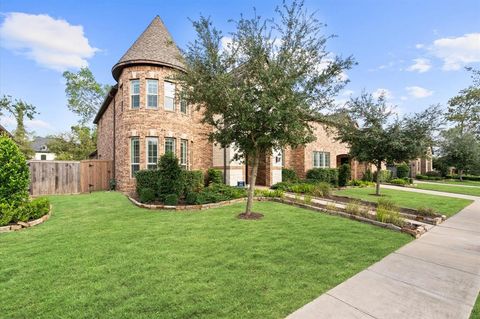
[31,223]
[186,207]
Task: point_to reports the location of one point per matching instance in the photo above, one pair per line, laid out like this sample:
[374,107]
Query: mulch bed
[252,216]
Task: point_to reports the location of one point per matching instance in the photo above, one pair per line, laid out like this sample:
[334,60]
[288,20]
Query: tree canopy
[375,135]
[75,145]
[263,89]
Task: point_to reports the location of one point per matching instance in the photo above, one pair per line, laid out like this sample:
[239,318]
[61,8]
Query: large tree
[375,135]
[20,110]
[75,145]
[264,89]
[84,93]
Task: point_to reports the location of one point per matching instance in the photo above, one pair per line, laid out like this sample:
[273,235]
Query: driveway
[436,276]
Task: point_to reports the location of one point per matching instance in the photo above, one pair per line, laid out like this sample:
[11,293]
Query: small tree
[460,149]
[84,93]
[263,90]
[403,170]
[19,110]
[344,174]
[376,137]
[14,173]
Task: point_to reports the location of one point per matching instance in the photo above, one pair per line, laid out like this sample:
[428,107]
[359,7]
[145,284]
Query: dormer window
[169,96]
[135,94]
[152,94]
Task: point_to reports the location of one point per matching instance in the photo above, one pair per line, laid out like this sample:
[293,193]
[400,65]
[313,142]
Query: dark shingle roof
[154,46]
[40,144]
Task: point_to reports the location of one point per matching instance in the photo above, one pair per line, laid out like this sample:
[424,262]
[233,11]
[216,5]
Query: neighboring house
[40,146]
[141,119]
[3,130]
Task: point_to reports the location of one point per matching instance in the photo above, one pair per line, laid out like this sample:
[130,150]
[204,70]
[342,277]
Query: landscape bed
[100,256]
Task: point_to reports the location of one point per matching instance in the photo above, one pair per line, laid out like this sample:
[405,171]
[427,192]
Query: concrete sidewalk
[436,276]
[445,184]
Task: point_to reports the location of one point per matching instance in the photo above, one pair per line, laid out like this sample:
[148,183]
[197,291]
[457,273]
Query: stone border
[31,223]
[415,233]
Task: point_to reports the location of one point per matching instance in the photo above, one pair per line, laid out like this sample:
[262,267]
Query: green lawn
[476,309]
[457,182]
[99,256]
[445,205]
[449,188]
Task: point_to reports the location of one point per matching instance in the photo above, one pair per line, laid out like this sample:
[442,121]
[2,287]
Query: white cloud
[457,52]
[385,92]
[420,65]
[347,92]
[38,124]
[51,43]
[418,92]
[419,45]
[10,123]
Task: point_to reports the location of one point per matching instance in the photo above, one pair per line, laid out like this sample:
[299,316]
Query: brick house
[141,119]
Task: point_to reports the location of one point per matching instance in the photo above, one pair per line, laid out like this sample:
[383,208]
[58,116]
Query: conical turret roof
[155,46]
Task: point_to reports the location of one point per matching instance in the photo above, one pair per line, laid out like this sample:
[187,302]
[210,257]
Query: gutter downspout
[114,136]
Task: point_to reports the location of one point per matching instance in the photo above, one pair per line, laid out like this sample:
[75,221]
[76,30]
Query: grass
[449,188]
[445,205]
[476,309]
[99,256]
[456,182]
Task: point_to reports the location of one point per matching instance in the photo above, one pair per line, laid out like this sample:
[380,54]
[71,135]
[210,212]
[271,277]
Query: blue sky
[414,50]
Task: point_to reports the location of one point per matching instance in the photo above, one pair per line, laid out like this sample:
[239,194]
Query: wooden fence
[69,177]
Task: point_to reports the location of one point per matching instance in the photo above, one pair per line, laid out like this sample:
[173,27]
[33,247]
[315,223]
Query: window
[43,157]
[134,155]
[170,145]
[169,92]
[184,154]
[183,105]
[135,94]
[152,94]
[321,159]
[152,152]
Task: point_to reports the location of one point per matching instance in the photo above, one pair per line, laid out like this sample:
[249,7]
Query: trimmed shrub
[284,186]
[170,176]
[171,199]
[433,174]
[289,175]
[7,214]
[402,170]
[360,183]
[328,175]
[429,178]
[344,174]
[229,192]
[302,188]
[193,182]
[214,176]
[385,176]
[14,173]
[147,178]
[39,207]
[146,195]
[399,181]
[24,212]
[367,176]
[269,193]
[427,211]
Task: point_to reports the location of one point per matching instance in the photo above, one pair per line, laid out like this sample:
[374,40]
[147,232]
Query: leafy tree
[85,95]
[14,173]
[460,149]
[263,90]
[375,136]
[19,110]
[75,145]
[464,108]
[170,176]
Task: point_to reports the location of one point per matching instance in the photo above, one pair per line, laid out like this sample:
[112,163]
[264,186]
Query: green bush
[229,192]
[427,211]
[170,176]
[360,183]
[433,173]
[385,176]
[344,174]
[24,212]
[399,181]
[14,173]
[147,178]
[387,204]
[214,176]
[284,186]
[385,216]
[466,177]
[429,178]
[171,199]
[302,188]
[7,214]
[323,189]
[195,199]
[367,176]
[269,193]
[289,175]
[39,207]
[328,175]
[354,208]
[403,170]
[193,182]
[146,195]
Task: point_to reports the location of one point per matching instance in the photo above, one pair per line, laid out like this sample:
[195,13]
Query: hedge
[327,175]
[214,176]
[403,170]
[10,213]
[193,181]
[289,175]
[147,179]
[344,174]
[465,177]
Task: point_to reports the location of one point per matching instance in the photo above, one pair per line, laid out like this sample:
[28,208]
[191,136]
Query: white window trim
[147,140]
[174,145]
[132,138]
[147,94]
[184,164]
[165,96]
[322,159]
[136,94]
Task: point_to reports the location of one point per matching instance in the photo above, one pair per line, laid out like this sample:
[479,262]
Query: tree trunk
[460,174]
[377,179]
[251,186]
